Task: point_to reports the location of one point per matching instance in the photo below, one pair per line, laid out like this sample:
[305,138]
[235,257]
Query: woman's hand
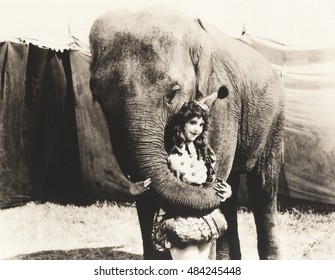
[137,188]
[223,190]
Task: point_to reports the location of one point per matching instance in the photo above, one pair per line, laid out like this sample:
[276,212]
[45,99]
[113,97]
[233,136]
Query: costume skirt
[183,231]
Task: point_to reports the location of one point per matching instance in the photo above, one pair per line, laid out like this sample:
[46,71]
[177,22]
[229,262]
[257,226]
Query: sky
[306,23]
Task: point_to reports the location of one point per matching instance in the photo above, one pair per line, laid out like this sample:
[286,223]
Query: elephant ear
[201,57]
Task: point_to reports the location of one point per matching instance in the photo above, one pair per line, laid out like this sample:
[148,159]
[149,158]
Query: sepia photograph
[167,130]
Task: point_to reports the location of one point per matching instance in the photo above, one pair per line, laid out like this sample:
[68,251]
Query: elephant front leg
[228,246]
[263,202]
[146,209]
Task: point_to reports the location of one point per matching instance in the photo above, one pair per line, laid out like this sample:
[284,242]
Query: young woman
[192,161]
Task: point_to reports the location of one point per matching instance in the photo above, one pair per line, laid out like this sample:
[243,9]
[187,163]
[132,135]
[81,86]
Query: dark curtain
[14,125]
[54,143]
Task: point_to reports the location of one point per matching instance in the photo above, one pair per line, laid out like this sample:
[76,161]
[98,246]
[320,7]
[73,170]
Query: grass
[111,231]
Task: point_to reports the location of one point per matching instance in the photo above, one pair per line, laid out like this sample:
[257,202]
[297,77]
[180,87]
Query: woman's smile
[195,134]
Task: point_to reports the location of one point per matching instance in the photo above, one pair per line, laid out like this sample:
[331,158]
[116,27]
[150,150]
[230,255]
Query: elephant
[145,65]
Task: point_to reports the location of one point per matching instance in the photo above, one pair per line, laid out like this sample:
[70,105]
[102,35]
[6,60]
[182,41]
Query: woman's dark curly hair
[187,112]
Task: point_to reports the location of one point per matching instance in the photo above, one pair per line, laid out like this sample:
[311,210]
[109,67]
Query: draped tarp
[14,161]
[39,153]
[308,77]
[53,142]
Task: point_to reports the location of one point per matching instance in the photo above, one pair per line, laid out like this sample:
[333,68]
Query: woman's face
[193,128]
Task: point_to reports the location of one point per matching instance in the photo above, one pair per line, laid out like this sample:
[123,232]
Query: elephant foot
[269,253]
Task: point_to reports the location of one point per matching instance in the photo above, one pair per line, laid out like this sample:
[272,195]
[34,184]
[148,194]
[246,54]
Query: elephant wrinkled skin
[144,66]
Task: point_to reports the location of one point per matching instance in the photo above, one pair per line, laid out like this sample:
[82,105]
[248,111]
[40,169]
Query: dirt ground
[111,231]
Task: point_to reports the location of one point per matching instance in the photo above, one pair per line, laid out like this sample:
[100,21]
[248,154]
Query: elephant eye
[172,93]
